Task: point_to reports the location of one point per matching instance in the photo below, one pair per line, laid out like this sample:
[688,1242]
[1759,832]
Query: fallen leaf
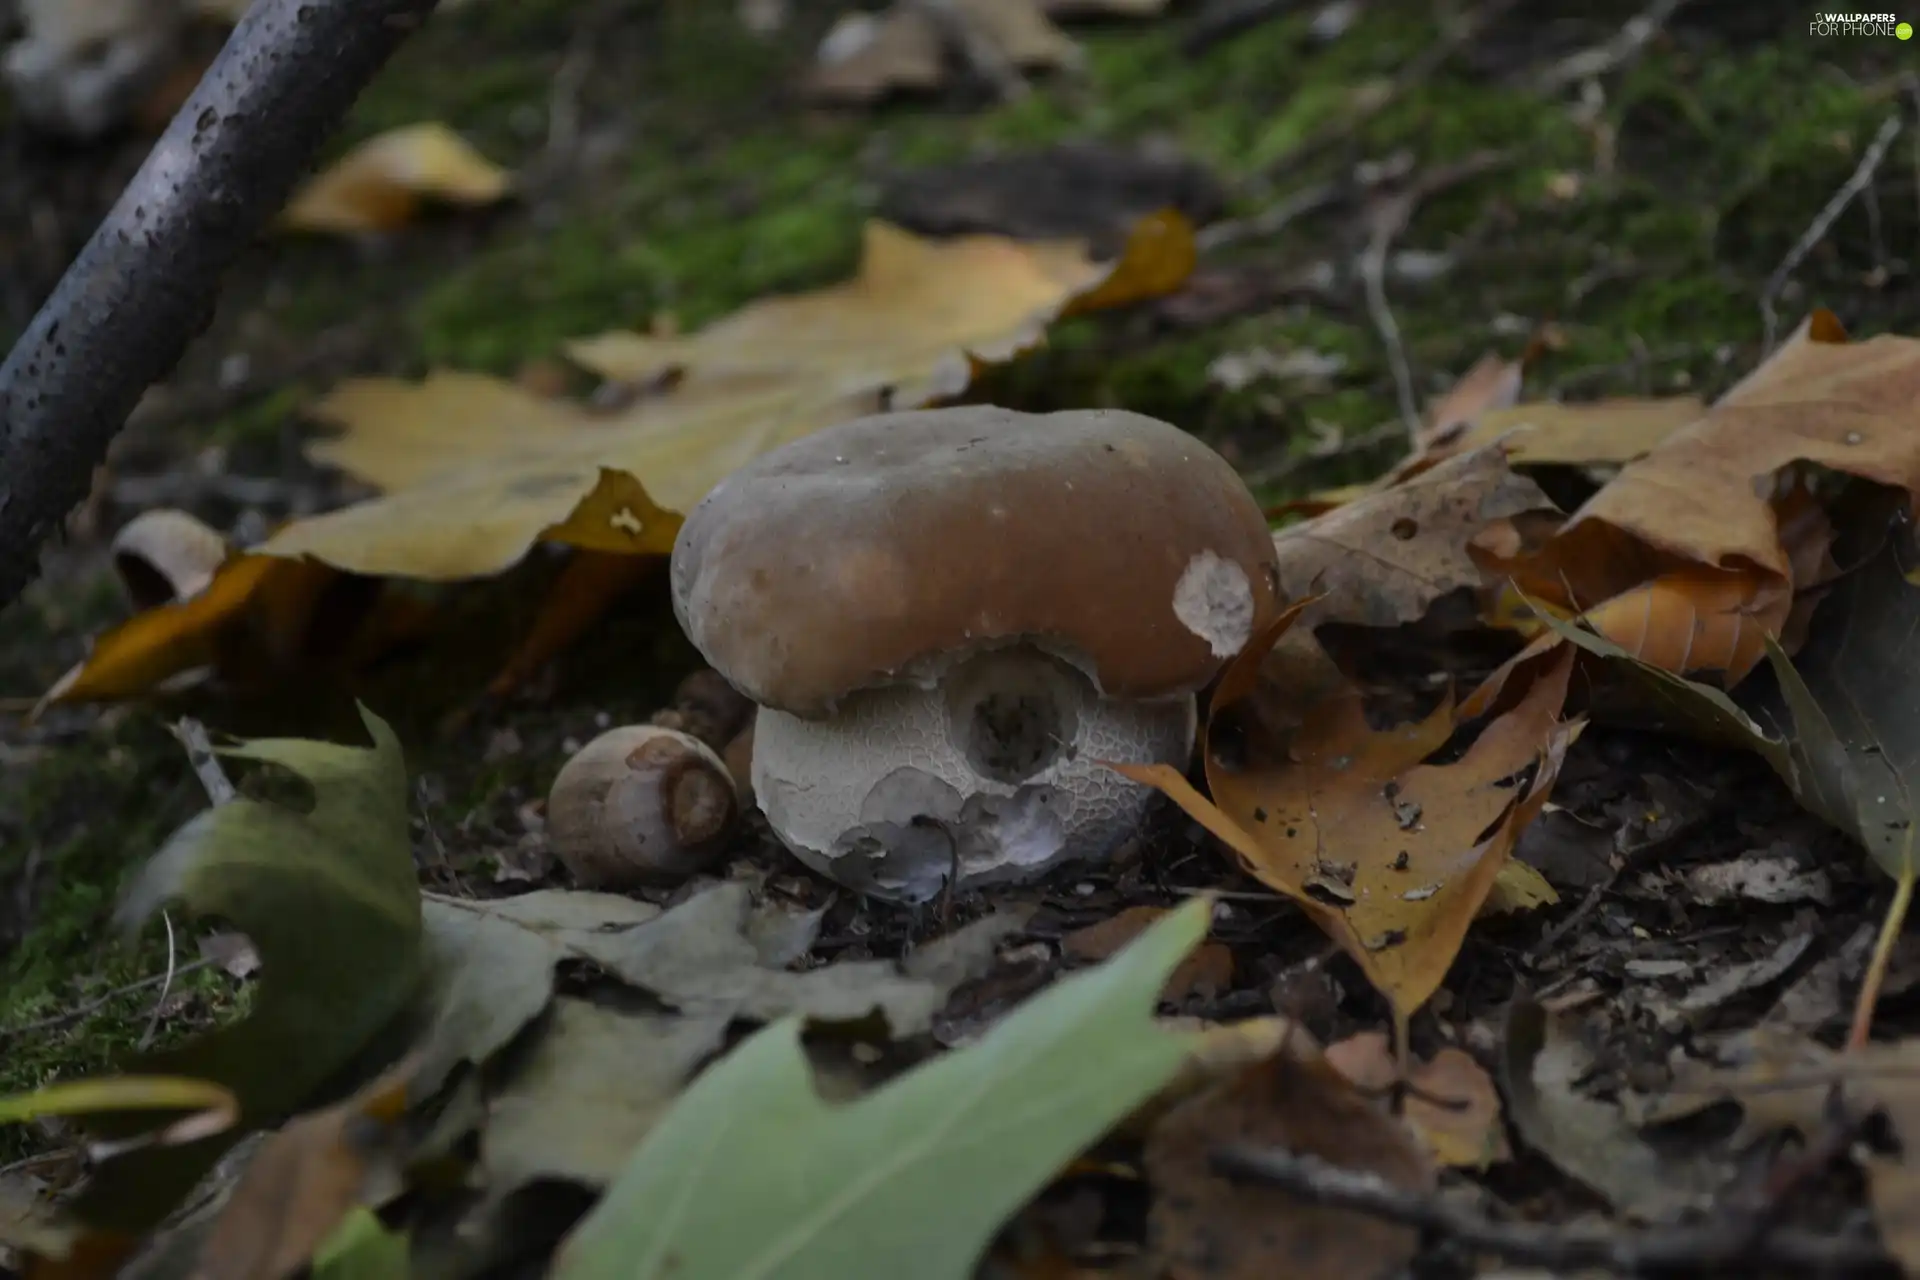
[518,468]
[211,1110]
[1208,968]
[381,184]
[589,1090]
[232,952]
[698,959]
[165,555]
[1518,887]
[1492,383]
[1383,559]
[490,964]
[1789,1086]
[361,1248]
[866,56]
[305,1179]
[1854,702]
[1705,497]
[1392,857]
[1589,1140]
[1452,1103]
[35,1227]
[1204,1225]
[330,900]
[1759,877]
[751,1173]
[1590,433]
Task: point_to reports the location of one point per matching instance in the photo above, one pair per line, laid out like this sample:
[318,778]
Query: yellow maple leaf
[476,469]
[381,184]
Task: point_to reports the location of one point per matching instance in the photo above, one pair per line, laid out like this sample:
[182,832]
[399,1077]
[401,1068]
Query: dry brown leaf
[1391,856]
[1789,1085]
[1382,560]
[1704,497]
[1467,1134]
[304,1179]
[1492,383]
[1591,433]
[381,184]
[1204,1227]
[1208,967]
[261,619]
[1692,619]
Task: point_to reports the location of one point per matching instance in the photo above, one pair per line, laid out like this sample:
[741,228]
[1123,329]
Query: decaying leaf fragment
[1391,856]
[330,900]
[752,1173]
[304,1181]
[1452,1103]
[1204,1227]
[1383,559]
[381,184]
[1590,1140]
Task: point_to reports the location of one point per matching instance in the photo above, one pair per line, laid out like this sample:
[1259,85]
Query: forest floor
[1641,212]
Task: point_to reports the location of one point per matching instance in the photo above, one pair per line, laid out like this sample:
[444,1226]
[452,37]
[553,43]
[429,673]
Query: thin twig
[1272,221]
[1562,1249]
[147,281]
[1385,222]
[166,986]
[206,763]
[1612,54]
[1823,222]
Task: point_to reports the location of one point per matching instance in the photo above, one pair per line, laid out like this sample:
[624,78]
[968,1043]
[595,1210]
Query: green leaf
[752,1176]
[361,1248]
[1854,694]
[329,898]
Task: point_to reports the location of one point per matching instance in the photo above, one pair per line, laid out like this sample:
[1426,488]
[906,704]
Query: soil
[667,171]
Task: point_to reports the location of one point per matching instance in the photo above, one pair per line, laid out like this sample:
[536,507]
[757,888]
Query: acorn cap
[886,549]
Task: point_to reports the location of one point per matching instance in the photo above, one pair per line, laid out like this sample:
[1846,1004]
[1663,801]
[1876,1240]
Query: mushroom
[949,617]
[640,804]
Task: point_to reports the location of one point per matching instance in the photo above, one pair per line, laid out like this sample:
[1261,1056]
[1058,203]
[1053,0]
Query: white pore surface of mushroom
[992,772]
[949,618]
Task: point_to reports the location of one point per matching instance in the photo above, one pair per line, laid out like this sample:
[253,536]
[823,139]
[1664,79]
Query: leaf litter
[583,1039]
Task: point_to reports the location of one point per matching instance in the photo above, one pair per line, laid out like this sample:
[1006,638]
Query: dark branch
[1653,1251]
[146,282]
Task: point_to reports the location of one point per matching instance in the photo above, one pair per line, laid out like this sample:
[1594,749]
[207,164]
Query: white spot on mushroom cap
[1214,600]
[882,795]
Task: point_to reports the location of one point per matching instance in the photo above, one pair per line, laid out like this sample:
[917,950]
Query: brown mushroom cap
[883,549]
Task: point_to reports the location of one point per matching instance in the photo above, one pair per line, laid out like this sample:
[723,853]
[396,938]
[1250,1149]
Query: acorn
[640,805]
